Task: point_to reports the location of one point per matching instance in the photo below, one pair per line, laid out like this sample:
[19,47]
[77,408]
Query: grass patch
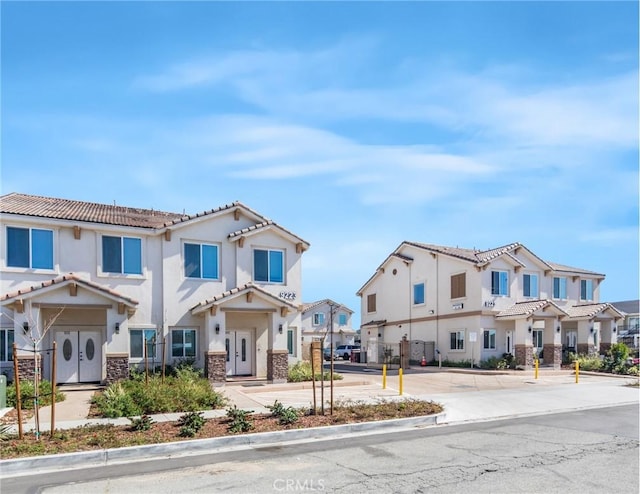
[301,371]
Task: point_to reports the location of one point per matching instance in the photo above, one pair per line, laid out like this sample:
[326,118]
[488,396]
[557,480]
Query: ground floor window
[291,341]
[183,343]
[137,337]
[489,339]
[457,340]
[537,338]
[6,345]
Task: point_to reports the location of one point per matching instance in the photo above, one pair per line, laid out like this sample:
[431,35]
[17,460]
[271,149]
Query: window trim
[291,342]
[318,318]
[30,231]
[458,333]
[485,340]
[184,330]
[342,315]
[201,260]
[142,330]
[6,346]
[587,282]
[424,293]
[553,288]
[498,292]
[269,251]
[524,285]
[103,272]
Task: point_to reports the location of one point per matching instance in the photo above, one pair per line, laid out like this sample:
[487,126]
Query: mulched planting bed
[89,438]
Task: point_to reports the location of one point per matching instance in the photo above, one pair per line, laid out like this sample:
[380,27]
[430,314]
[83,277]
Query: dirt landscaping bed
[99,437]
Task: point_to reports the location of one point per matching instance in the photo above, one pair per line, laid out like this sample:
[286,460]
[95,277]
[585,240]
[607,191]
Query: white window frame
[342,316]
[195,343]
[560,286]
[30,267]
[115,274]
[374,297]
[460,337]
[500,287]
[492,337]
[6,347]
[284,265]
[318,318]
[142,335]
[200,245]
[291,337]
[589,289]
[537,278]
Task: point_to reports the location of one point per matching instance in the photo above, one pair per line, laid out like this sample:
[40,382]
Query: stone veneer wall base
[215,367]
[524,356]
[277,366]
[117,367]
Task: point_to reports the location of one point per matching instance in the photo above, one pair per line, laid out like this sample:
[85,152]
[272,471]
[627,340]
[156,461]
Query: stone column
[117,367]
[524,356]
[26,367]
[215,367]
[277,366]
[552,343]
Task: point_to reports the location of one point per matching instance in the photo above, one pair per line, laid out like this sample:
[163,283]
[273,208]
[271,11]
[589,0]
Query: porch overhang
[532,309]
[16,300]
[249,291]
[594,312]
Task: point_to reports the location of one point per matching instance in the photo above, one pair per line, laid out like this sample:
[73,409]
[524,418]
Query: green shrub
[239,419]
[301,371]
[589,362]
[142,423]
[456,363]
[186,392]
[191,423]
[27,392]
[615,360]
[285,415]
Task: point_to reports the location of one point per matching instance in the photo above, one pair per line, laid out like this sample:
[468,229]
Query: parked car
[344,351]
[327,354]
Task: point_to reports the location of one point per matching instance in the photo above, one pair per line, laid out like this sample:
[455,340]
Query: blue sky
[355,125]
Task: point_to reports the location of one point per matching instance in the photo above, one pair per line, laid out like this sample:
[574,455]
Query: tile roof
[628,306]
[590,310]
[62,280]
[312,305]
[251,228]
[563,268]
[528,308]
[239,289]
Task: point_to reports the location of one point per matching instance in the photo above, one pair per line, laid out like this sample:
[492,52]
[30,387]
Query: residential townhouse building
[322,318]
[473,304]
[117,287]
[629,329]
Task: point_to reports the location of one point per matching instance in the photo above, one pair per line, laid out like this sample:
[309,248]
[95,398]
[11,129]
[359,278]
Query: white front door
[78,356]
[239,346]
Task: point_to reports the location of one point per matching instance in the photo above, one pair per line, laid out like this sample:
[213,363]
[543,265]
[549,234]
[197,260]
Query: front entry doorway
[239,346]
[78,357]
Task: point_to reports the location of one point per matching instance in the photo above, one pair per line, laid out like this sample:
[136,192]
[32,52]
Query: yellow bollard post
[536,367]
[384,376]
[400,375]
[577,371]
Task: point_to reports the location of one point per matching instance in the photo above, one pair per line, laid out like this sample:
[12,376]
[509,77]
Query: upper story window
[559,288]
[268,265]
[418,294]
[6,345]
[29,248]
[201,261]
[500,283]
[371,302]
[342,319]
[318,318]
[459,285]
[121,255]
[183,343]
[530,285]
[586,289]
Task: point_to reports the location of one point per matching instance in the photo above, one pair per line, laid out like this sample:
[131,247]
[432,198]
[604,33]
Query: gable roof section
[590,311]
[62,281]
[265,226]
[236,292]
[561,268]
[312,305]
[394,255]
[529,308]
[628,306]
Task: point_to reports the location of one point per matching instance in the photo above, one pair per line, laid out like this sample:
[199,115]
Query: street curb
[89,459]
